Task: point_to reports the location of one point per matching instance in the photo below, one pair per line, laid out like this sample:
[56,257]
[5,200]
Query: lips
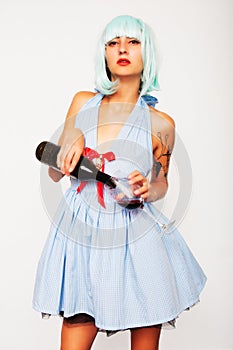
[123,62]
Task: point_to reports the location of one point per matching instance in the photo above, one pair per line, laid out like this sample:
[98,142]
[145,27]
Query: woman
[105,267]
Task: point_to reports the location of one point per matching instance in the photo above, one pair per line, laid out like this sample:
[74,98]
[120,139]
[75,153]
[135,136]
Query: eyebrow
[128,37]
[118,37]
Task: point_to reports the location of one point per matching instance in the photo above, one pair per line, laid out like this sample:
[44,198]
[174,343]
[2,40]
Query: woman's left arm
[163,136]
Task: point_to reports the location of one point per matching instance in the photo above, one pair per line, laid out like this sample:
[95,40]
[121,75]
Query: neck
[127,91]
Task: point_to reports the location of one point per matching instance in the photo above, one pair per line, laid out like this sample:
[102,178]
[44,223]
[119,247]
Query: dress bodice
[132,146]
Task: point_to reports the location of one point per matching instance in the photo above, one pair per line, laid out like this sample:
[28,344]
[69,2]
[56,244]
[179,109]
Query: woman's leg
[78,336]
[145,338]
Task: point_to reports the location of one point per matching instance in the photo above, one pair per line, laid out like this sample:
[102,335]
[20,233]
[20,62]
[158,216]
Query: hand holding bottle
[85,169]
[72,145]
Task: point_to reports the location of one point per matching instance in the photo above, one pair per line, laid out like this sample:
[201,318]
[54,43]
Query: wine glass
[124,195]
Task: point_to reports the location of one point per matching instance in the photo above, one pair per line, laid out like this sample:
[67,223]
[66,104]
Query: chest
[111,122]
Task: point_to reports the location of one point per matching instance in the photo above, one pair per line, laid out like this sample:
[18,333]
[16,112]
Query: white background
[47,50]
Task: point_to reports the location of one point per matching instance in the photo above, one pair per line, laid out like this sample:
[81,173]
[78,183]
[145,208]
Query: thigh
[78,336]
[145,338]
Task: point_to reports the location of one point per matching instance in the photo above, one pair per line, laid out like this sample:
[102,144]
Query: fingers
[61,155]
[142,191]
[135,177]
[66,167]
[74,161]
[68,158]
[140,183]
[72,144]
[70,161]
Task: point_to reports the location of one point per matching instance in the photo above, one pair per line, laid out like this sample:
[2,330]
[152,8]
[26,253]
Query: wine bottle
[85,169]
[46,152]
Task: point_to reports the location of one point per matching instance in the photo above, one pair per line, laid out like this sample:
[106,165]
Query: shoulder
[162,116]
[79,99]
[162,128]
[83,96]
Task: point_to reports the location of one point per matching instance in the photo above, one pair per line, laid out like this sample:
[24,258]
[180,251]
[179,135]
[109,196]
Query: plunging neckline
[124,124]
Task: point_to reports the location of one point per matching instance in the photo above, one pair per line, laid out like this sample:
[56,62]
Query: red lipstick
[123,62]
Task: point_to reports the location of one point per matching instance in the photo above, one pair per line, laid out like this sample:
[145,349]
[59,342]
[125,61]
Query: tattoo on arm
[165,152]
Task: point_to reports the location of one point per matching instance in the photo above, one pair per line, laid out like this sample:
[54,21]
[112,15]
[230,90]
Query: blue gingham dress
[115,264]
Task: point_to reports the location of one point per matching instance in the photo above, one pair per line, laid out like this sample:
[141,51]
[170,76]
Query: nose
[123,48]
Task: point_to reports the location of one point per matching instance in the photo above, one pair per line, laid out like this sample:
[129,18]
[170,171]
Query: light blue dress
[115,264]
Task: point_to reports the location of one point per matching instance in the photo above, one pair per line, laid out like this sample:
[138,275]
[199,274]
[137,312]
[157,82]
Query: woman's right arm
[71,139]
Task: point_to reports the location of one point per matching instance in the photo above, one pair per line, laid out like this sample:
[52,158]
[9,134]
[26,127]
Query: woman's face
[124,57]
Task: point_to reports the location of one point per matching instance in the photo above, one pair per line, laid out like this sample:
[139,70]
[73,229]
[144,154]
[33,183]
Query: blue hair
[134,28]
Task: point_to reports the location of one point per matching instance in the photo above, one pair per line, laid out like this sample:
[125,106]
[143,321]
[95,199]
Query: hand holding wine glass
[124,194]
[140,184]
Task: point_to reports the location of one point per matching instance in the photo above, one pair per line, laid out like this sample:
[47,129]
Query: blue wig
[133,28]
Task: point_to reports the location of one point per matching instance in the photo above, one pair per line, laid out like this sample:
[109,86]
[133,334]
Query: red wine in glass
[131,203]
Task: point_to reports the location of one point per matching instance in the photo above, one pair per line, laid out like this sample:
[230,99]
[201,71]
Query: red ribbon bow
[92,154]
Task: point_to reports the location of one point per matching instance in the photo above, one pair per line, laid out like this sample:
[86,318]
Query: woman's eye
[112,43]
[134,42]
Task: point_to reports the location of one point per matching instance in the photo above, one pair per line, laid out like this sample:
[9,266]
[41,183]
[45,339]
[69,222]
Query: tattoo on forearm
[165,152]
